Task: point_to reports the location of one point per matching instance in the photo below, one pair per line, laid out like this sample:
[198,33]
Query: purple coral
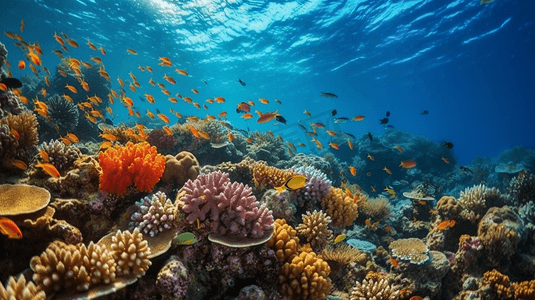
[161,140]
[173,279]
[155,214]
[228,209]
[312,193]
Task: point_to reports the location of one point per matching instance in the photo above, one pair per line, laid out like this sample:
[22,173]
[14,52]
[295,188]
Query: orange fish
[219,99]
[222,114]
[249,140]
[71,88]
[194,131]
[195,91]
[164,118]
[331,133]
[72,43]
[307,113]
[387,170]
[22,25]
[105,145]
[19,164]
[367,222]
[408,164]
[445,160]
[65,140]
[171,80]
[204,135]
[353,170]
[102,50]
[197,105]
[128,101]
[400,149]
[44,155]
[358,118]
[246,116]
[350,144]
[48,169]
[167,130]
[91,45]
[72,137]
[422,202]
[230,137]
[9,228]
[250,102]
[416,298]
[443,225]
[394,262]
[172,99]
[263,100]
[23,99]
[181,72]
[371,157]
[266,117]
[388,229]
[452,223]
[318,143]
[108,136]
[22,65]
[131,51]
[149,98]
[334,146]
[3,87]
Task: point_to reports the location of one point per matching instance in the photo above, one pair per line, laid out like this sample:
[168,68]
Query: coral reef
[376,209]
[499,283]
[474,201]
[156,214]
[269,177]
[180,168]
[342,209]
[448,207]
[279,204]
[284,241]
[173,279]
[161,140]
[18,136]
[20,290]
[10,103]
[138,164]
[229,210]
[131,253]
[315,229]
[371,289]
[343,254]
[316,187]
[411,249]
[522,188]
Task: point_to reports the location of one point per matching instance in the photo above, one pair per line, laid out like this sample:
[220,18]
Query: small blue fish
[186,238]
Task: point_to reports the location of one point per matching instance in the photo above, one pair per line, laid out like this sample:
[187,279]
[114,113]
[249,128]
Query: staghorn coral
[138,164]
[131,253]
[377,209]
[59,154]
[342,209]
[500,283]
[180,168]
[17,199]
[229,210]
[269,177]
[474,201]
[344,254]
[371,289]
[156,214]
[411,249]
[524,290]
[305,277]
[18,289]
[315,229]
[62,113]
[284,241]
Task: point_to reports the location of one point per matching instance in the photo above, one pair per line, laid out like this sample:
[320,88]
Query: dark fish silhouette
[466,169]
[370,136]
[349,134]
[425,112]
[302,127]
[334,112]
[448,145]
[205,82]
[329,95]
[12,83]
[341,120]
[241,82]
[384,121]
[281,119]
[388,114]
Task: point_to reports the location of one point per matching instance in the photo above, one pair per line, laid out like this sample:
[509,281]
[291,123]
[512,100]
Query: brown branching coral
[500,283]
[269,177]
[315,229]
[19,289]
[370,289]
[342,209]
[377,209]
[305,277]
[344,254]
[284,241]
[524,290]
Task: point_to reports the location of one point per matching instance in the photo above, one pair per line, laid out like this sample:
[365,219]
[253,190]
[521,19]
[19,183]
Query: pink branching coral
[228,209]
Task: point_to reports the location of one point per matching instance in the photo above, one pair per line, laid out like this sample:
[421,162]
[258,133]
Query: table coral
[284,241]
[180,168]
[138,164]
[411,249]
[305,277]
[155,214]
[315,229]
[18,288]
[17,199]
[229,210]
[342,209]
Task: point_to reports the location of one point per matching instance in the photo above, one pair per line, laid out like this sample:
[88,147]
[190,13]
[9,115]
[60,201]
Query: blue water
[470,65]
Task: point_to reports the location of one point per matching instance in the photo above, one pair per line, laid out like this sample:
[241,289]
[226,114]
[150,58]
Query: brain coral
[138,164]
[228,209]
[180,168]
[342,209]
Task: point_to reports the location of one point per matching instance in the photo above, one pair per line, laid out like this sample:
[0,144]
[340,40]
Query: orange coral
[500,283]
[342,209]
[269,177]
[524,290]
[138,164]
[284,241]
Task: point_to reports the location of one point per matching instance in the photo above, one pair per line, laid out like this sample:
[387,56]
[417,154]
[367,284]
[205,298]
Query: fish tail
[280,189]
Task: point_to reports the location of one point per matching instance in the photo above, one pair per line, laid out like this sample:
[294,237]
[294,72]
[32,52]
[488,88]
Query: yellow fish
[293,183]
[340,238]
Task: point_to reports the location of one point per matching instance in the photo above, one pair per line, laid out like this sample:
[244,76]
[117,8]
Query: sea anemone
[62,113]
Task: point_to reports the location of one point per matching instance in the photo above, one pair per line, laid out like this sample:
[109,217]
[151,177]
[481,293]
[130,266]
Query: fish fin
[280,189]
